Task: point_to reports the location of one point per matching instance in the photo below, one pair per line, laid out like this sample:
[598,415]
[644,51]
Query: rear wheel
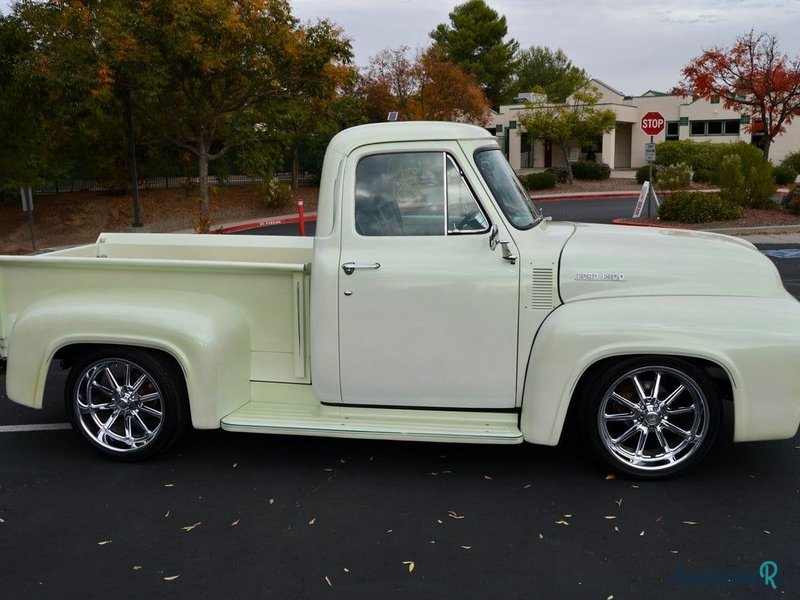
[126,402]
[650,417]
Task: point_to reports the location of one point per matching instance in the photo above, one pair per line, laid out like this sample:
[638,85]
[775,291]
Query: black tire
[128,403]
[650,417]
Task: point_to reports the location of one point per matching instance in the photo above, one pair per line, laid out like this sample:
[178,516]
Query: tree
[551,72]
[575,121]
[752,77]
[426,87]
[474,41]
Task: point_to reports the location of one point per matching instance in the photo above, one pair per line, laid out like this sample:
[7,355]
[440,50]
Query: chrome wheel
[652,418]
[128,403]
[119,405]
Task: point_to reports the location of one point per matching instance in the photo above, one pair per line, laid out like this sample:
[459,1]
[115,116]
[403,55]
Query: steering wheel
[470,217]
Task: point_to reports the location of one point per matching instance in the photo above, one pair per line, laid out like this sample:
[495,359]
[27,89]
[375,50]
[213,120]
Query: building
[698,120]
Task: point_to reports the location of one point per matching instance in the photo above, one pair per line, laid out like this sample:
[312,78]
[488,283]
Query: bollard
[301,217]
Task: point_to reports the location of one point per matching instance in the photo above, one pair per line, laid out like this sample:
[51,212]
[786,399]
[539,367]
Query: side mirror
[494,233]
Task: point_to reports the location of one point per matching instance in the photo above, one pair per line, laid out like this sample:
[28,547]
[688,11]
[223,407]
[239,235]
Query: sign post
[652,123]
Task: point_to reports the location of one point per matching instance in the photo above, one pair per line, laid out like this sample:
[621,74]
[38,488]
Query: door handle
[350,267]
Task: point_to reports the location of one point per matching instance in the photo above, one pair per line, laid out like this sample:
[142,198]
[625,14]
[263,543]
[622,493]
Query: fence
[161,183]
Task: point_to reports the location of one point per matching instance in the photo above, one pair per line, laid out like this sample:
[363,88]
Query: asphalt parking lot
[239,515]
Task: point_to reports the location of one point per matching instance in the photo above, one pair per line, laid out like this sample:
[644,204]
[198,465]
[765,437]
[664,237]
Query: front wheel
[126,402]
[651,417]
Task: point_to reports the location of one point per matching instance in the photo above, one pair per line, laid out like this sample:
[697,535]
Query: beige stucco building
[698,120]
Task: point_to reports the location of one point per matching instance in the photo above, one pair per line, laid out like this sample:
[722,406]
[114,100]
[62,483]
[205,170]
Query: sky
[631,45]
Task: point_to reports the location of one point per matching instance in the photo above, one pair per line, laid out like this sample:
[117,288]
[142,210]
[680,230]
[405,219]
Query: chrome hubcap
[119,405]
[653,418]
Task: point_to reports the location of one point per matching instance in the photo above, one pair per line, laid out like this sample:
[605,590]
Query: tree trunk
[137,215]
[296,168]
[205,213]
[565,152]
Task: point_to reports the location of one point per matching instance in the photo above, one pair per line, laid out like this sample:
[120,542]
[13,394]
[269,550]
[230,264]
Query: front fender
[755,340]
[207,336]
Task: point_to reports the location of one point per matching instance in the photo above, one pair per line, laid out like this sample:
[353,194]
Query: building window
[716,127]
[672,130]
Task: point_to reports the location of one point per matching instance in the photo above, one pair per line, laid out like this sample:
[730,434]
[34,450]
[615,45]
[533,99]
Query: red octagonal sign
[652,123]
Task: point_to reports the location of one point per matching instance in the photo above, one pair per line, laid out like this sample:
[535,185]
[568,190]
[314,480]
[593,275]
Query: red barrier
[301,217]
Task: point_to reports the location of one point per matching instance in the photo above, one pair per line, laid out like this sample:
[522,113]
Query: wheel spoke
[682,411]
[128,428]
[619,417]
[686,435]
[96,385]
[662,441]
[111,378]
[642,442]
[674,395]
[625,402]
[656,386]
[639,389]
[135,387]
[111,420]
[150,397]
[151,411]
[145,428]
[625,435]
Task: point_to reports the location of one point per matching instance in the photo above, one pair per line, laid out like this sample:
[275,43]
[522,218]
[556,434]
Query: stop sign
[652,123]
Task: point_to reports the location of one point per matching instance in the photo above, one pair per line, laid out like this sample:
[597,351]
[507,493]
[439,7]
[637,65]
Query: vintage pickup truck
[435,303]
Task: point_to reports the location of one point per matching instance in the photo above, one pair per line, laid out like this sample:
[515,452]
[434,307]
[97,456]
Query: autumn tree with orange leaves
[425,87]
[751,77]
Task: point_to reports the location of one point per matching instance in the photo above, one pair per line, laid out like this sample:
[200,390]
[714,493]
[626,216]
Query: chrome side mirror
[494,233]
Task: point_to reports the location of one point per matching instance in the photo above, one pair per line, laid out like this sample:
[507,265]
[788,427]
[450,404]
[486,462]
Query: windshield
[506,188]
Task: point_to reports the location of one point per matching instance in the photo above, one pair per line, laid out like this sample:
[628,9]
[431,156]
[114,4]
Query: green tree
[551,72]
[576,121]
[474,41]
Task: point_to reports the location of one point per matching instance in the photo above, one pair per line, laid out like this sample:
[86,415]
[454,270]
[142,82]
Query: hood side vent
[542,289]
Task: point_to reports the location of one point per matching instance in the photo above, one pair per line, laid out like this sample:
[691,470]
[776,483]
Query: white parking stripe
[34,427]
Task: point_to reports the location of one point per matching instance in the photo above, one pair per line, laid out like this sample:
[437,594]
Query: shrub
[791,201]
[784,174]
[697,207]
[701,176]
[591,171]
[540,181]
[696,155]
[675,177]
[756,186]
[274,193]
[792,160]
[643,174]
[562,175]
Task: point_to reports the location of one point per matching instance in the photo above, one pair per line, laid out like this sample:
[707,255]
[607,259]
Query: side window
[414,194]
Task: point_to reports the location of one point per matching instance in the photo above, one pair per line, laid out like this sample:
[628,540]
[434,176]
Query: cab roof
[407,131]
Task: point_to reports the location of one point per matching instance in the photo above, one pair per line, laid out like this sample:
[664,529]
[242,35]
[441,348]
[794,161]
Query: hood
[601,261]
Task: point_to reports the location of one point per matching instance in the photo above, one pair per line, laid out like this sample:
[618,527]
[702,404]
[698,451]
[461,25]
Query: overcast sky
[631,45]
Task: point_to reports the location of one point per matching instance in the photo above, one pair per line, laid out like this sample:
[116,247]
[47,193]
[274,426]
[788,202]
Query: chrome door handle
[350,267]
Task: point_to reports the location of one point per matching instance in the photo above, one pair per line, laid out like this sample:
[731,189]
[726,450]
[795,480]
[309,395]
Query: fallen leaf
[487,477]
[541,537]
[446,472]
[389,530]
[328,470]
[346,570]
[327,579]
[690,522]
[561,523]
[567,516]
[166,514]
[137,568]
[467,547]
[104,542]
[611,597]
[312,521]
[272,500]
[616,528]
[454,515]
[618,502]
[171,577]
[343,461]
[609,517]
[636,487]
[642,533]
[530,485]
[236,464]
[660,519]
[169,485]
[433,541]
[673,551]
[190,527]
[767,532]
[2,520]
[235,523]
[610,476]
[432,473]
[410,564]
[439,521]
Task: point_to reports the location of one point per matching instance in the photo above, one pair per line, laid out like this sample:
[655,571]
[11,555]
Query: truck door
[428,312]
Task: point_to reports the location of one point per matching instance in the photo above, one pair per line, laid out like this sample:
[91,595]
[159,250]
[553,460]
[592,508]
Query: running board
[299,416]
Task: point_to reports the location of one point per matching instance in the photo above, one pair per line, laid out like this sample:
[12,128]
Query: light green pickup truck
[435,304]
